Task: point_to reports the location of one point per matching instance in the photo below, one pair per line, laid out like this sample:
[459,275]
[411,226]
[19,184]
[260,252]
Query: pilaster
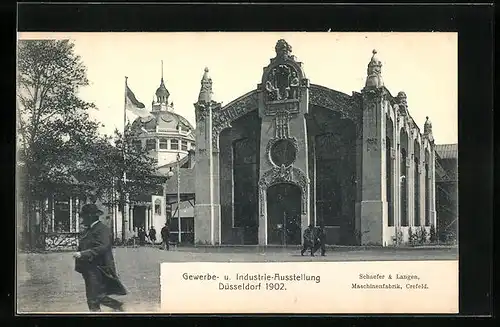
[433,186]
[70,214]
[410,164]
[52,213]
[283,100]
[207,206]
[374,202]
[397,179]
[216,196]
[77,215]
[131,218]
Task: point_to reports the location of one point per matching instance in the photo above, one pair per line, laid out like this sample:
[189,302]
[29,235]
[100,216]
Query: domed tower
[160,103]
[164,133]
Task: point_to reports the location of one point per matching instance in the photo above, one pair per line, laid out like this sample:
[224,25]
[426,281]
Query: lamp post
[179,200]
[169,175]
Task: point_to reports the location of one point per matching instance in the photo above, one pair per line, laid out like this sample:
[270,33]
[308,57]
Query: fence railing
[59,241]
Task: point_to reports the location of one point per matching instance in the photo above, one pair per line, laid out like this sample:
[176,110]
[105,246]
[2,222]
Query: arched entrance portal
[283,214]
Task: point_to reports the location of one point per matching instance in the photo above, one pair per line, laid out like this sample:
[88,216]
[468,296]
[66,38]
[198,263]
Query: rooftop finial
[374,72]
[283,50]
[206,88]
[428,129]
[162,93]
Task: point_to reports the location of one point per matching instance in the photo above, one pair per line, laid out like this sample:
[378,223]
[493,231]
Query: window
[137,144]
[404,187]
[150,145]
[417,193]
[187,229]
[174,144]
[163,143]
[61,215]
[388,176]
[427,196]
[192,146]
[184,145]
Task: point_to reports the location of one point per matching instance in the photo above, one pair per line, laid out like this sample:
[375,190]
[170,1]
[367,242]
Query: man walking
[321,239]
[94,260]
[152,235]
[308,240]
[165,235]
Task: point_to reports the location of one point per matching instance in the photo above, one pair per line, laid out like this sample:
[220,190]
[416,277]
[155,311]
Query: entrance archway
[284,214]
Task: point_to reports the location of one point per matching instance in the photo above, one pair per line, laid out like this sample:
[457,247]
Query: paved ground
[47,282]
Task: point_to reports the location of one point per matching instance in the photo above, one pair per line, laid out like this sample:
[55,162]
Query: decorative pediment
[223,117]
[344,104]
[282,82]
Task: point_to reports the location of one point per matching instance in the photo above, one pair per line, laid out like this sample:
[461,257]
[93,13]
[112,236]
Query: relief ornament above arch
[283,174]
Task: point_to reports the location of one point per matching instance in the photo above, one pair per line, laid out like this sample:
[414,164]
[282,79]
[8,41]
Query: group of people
[314,240]
[94,257]
[150,237]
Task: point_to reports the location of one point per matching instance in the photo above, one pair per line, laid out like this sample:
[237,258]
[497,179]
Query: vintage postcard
[237,173]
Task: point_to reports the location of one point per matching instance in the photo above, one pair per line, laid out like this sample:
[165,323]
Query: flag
[134,105]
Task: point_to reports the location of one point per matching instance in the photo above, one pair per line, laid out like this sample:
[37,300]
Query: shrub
[411,236]
[422,235]
[433,235]
[398,237]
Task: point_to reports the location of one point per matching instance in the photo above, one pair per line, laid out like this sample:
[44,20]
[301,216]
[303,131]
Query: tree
[49,77]
[58,143]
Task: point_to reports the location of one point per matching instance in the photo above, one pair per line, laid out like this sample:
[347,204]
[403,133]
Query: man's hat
[91,209]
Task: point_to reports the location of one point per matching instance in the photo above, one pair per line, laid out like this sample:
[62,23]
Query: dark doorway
[139,217]
[283,214]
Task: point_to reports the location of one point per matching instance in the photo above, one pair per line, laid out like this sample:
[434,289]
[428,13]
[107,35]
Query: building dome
[163,121]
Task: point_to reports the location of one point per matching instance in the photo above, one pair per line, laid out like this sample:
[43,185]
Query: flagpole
[179,225]
[125,222]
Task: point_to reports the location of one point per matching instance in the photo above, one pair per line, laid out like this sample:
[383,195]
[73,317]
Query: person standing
[308,240]
[321,239]
[152,235]
[95,261]
[142,236]
[165,235]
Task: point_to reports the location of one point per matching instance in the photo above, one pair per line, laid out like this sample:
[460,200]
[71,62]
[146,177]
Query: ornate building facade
[291,153]
[167,136]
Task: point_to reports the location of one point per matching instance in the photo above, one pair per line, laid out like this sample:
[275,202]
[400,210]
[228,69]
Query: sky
[423,65]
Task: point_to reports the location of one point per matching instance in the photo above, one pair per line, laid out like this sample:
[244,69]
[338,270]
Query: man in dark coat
[321,237]
[309,240]
[165,235]
[152,235]
[142,236]
[94,260]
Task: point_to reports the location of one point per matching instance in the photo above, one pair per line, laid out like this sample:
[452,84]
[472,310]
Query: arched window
[158,207]
[388,177]
[416,179]
[427,189]
[245,178]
